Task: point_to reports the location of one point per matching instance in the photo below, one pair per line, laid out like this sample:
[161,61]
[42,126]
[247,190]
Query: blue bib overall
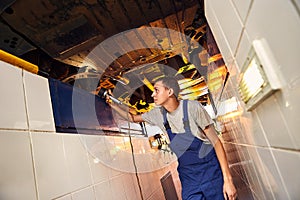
[198,167]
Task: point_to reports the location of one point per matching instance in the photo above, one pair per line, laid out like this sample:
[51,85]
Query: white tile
[242,8]
[297,4]
[145,179]
[12,104]
[147,159]
[265,179]
[84,194]
[103,191]
[278,135]
[97,156]
[103,149]
[218,33]
[228,20]
[117,186]
[77,161]
[158,194]
[289,165]
[243,50]
[97,146]
[263,22]
[122,155]
[67,197]
[272,174]
[100,172]
[16,177]
[288,100]
[241,154]
[252,175]
[130,186]
[38,101]
[50,165]
[109,156]
[113,172]
[257,133]
[124,162]
[234,70]
[144,157]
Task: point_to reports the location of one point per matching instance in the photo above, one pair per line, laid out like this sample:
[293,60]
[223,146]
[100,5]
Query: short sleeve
[152,117]
[202,118]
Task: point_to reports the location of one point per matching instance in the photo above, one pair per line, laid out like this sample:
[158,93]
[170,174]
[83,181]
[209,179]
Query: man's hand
[229,190]
[107,99]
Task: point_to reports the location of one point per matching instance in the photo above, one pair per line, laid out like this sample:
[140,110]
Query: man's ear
[171,92]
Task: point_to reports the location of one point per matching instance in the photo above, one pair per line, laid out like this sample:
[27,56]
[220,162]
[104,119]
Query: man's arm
[124,111]
[228,188]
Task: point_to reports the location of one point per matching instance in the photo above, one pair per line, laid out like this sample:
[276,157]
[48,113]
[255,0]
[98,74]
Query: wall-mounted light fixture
[258,78]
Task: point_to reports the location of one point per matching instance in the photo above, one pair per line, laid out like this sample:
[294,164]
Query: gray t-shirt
[198,119]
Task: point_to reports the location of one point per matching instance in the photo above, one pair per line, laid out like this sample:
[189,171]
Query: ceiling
[97,44]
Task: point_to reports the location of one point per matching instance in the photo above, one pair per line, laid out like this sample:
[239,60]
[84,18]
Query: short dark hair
[170,82]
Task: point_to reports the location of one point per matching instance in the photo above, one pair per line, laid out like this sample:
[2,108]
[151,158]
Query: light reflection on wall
[216,79]
[229,108]
[192,88]
[116,153]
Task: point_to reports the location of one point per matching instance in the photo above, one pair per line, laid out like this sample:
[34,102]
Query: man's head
[164,88]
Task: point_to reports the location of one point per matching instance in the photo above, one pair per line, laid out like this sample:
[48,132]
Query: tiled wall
[38,163]
[263,145]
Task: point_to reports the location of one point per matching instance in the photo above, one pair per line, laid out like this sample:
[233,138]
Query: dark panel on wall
[76,110]
[168,187]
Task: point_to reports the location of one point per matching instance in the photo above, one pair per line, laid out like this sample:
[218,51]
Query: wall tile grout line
[30,137]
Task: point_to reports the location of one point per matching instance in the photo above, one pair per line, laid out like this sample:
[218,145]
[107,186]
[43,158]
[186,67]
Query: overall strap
[166,123]
[185,119]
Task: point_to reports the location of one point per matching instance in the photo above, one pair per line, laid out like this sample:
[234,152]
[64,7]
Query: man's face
[160,93]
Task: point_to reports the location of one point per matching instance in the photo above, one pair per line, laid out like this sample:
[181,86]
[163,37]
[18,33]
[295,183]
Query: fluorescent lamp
[258,79]
[252,81]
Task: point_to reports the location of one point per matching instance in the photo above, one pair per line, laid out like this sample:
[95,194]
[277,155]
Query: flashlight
[104,93]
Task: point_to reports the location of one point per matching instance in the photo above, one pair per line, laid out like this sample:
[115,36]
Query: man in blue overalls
[202,164]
